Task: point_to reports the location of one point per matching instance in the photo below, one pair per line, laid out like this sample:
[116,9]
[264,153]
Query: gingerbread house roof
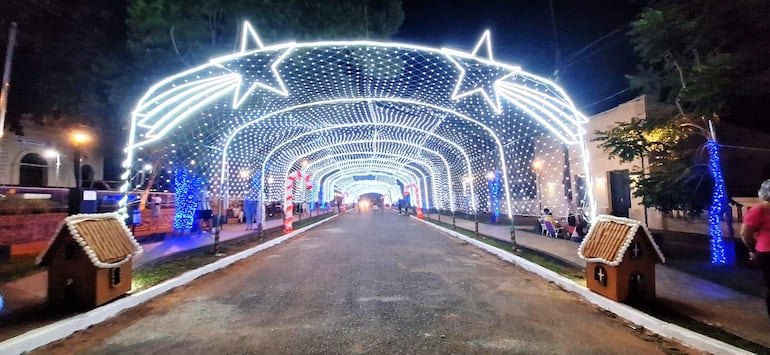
[104,238]
[610,236]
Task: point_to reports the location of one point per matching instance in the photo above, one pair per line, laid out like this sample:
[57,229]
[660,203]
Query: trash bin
[89,202]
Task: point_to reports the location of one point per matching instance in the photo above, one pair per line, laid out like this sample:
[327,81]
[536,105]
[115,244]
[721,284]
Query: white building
[611,180]
[745,163]
[43,157]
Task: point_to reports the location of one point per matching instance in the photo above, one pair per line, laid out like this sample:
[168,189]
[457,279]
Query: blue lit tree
[187,186]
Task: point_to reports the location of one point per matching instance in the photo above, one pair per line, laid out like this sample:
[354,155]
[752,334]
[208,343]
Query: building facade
[43,157]
[745,159]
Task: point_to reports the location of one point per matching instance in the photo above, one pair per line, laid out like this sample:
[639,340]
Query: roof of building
[104,238]
[610,236]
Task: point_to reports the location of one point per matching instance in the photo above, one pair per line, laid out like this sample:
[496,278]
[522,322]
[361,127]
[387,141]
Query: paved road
[366,283]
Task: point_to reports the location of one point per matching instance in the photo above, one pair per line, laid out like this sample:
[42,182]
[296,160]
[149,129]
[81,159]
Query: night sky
[522,34]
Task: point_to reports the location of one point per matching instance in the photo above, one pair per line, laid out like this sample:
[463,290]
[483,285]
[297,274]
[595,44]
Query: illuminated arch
[325,129]
[222,117]
[406,175]
[433,187]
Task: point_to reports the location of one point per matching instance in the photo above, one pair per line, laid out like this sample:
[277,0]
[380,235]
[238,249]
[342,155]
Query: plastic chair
[553,231]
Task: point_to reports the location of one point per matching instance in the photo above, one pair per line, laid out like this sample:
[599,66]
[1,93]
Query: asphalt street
[366,283]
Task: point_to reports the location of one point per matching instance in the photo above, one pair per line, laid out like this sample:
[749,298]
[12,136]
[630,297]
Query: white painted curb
[36,338]
[668,330]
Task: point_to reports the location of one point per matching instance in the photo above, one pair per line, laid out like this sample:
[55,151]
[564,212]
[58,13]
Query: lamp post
[469,180]
[537,166]
[494,206]
[147,168]
[261,209]
[79,138]
[466,183]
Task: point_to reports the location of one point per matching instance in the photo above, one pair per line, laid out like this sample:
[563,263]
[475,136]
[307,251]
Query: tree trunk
[150,183]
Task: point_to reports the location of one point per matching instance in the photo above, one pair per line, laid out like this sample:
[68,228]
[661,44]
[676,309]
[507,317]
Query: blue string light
[256,184]
[494,195]
[720,250]
[187,187]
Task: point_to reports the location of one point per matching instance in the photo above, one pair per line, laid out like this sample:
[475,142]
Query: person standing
[155,202]
[204,210]
[249,213]
[755,233]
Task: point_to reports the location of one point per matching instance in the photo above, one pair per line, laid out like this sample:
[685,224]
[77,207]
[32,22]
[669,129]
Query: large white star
[479,74]
[258,69]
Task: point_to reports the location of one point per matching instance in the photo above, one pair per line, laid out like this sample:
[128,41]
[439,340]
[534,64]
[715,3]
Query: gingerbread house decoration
[620,256]
[89,260]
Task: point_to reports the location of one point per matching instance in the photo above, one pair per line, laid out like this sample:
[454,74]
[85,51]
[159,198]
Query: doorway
[620,192]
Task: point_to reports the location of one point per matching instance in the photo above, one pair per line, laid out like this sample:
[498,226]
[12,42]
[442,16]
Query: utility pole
[7,76]
[557,54]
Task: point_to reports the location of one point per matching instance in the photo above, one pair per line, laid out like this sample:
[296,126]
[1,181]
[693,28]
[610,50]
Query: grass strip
[18,267]
[155,273]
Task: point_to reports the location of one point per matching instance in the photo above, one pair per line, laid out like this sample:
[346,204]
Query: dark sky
[522,34]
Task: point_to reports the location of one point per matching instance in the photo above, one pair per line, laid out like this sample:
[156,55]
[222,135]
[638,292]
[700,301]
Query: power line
[607,98]
[574,56]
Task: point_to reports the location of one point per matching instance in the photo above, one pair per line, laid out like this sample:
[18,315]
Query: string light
[719,253]
[405,114]
[186,187]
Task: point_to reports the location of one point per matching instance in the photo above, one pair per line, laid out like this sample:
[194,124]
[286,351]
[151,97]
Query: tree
[167,36]
[695,66]
[701,58]
[665,183]
[60,74]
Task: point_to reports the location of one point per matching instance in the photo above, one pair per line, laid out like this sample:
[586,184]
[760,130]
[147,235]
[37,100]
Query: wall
[50,144]
[745,163]
[17,229]
[601,165]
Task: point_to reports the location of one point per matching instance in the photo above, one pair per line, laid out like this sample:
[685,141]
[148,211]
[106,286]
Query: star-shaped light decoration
[257,66]
[476,73]
[249,36]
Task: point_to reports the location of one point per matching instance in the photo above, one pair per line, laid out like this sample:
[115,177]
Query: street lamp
[537,166]
[79,138]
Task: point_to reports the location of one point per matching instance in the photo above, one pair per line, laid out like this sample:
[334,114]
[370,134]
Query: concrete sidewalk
[173,244]
[705,301]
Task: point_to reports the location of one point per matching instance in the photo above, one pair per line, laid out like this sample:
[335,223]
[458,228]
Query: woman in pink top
[756,235]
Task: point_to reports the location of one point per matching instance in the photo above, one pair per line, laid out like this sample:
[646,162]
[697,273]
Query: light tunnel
[476,135]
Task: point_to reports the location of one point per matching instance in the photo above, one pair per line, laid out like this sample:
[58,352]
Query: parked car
[273,209]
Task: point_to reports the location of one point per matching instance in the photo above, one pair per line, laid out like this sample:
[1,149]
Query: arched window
[86,173]
[33,171]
